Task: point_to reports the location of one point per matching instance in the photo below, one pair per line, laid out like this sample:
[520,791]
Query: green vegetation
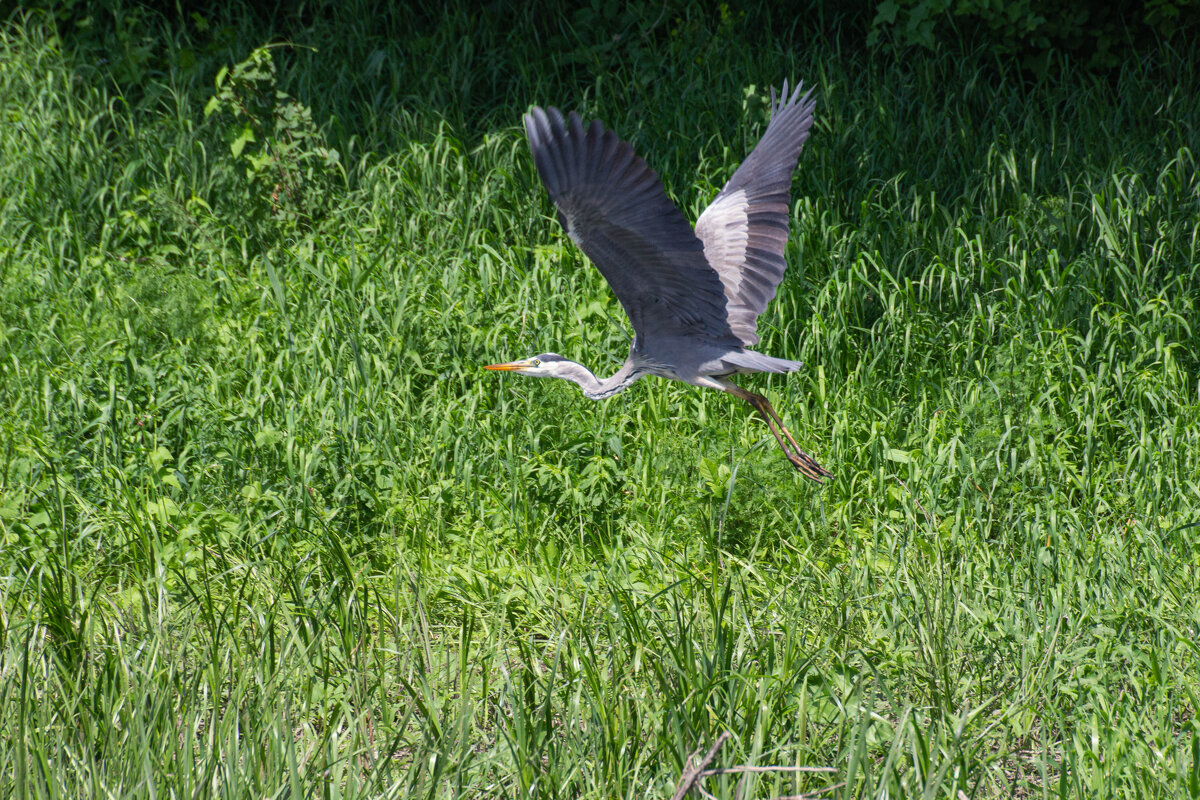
[1096,33]
[266,530]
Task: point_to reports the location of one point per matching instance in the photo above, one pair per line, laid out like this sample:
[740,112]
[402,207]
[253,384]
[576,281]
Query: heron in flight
[692,296]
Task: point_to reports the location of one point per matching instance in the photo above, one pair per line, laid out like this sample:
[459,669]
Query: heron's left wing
[614,207]
[745,228]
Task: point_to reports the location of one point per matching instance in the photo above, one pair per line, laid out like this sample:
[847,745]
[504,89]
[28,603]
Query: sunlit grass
[268,530]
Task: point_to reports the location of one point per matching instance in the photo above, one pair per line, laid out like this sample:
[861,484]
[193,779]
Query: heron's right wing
[745,228]
[614,207]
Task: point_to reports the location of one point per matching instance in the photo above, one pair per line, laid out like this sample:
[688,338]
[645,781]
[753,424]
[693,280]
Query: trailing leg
[801,460]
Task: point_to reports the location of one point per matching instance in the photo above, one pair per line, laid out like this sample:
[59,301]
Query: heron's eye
[537,362]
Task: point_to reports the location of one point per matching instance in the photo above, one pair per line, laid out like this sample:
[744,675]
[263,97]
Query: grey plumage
[692,296]
[612,204]
[745,228]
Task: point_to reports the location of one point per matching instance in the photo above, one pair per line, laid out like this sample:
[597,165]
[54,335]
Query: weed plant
[266,530]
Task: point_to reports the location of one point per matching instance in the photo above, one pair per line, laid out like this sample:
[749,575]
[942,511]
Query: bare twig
[723,770]
[691,773]
[812,795]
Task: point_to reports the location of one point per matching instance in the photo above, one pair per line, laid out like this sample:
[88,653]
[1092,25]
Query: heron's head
[546,365]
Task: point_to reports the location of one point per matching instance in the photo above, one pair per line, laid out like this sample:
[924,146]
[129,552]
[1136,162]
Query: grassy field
[268,531]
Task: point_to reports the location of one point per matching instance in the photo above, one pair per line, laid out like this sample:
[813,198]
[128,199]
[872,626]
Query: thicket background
[267,530]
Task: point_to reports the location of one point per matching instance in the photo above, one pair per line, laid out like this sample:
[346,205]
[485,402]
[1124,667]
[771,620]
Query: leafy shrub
[288,167]
[1100,33]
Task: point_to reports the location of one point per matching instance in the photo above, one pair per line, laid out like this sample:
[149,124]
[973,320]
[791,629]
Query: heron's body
[693,296]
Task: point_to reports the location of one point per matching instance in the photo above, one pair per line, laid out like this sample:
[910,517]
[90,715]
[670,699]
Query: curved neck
[596,388]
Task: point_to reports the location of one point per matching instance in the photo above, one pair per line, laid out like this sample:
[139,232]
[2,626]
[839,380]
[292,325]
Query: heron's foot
[801,460]
[807,465]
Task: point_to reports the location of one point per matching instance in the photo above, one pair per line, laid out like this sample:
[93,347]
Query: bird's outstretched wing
[613,206]
[745,228]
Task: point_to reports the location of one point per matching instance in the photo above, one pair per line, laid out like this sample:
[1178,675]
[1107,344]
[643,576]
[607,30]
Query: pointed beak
[509,366]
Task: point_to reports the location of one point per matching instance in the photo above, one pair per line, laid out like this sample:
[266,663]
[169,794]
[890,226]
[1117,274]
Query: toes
[807,465]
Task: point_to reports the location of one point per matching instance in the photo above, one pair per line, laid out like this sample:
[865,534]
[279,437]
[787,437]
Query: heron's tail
[750,361]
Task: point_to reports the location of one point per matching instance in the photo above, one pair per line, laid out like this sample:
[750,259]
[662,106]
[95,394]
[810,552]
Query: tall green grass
[268,531]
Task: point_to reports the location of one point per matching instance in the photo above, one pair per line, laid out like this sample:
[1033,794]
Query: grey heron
[692,296]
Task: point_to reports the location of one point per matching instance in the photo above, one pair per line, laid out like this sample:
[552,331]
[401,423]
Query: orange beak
[508,366]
